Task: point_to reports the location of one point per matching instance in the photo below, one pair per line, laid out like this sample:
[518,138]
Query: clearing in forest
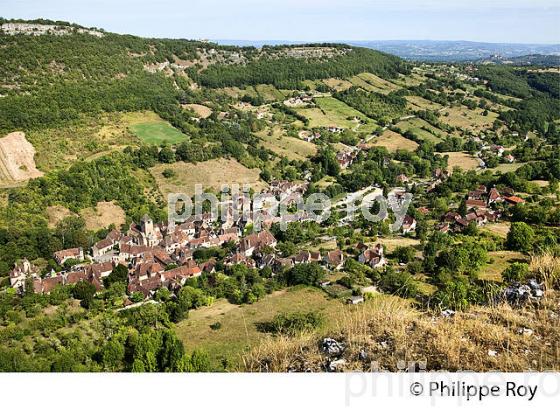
[200,110]
[103,215]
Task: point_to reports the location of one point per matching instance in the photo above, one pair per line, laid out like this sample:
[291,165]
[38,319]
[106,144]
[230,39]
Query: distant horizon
[288,42]
[341,41]
[482,21]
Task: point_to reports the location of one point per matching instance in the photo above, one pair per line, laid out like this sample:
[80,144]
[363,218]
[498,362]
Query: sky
[509,21]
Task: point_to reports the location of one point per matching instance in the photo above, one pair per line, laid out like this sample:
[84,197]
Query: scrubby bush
[516,272]
[293,323]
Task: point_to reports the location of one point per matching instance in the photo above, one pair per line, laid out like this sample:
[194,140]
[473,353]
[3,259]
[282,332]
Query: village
[157,255]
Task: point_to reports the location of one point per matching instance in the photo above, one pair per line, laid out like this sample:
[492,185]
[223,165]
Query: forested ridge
[49,79]
[288,73]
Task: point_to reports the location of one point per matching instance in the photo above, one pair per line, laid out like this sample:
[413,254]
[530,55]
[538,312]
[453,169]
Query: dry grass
[500,229]
[210,174]
[460,159]
[393,141]
[57,213]
[238,332]
[200,110]
[395,335]
[337,84]
[103,215]
[547,268]
[291,148]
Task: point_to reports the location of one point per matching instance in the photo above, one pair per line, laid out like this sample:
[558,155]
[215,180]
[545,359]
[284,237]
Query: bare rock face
[17,162]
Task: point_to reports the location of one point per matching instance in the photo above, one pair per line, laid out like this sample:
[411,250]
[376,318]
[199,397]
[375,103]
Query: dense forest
[288,73]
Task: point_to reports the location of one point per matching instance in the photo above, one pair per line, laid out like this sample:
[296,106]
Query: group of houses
[346,158]
[480,205]
[152,263]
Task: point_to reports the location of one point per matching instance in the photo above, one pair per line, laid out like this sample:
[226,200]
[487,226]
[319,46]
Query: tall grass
[547,268]
[395,336]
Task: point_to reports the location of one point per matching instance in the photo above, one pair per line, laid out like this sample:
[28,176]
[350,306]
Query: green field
[371,82]
[157,133]
[422,129]
[330,111]
[498,262]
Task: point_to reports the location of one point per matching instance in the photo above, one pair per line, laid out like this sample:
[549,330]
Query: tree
[171,353]
[71,231]
[306,274]
[453,294]
[399,283]
[404,254]
[112,355]
[118,274]
[198,362]
[84,291]
[166,155]
[520,237]
[168,173]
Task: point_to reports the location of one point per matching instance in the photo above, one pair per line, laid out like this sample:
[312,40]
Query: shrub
[305,274]
[399,283]
[404,254]
[520,237]
[292,323]
[516,272]
[168,173]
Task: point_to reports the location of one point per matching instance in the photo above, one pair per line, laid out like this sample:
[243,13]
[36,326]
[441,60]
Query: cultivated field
[332,112]
[503,168]
[390,244]
[337,84]
[500,229]
[468,119]
[210,174]
[416,102]
[371,82]
[157,132]
[393,141]
[269,92]
[422,129]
